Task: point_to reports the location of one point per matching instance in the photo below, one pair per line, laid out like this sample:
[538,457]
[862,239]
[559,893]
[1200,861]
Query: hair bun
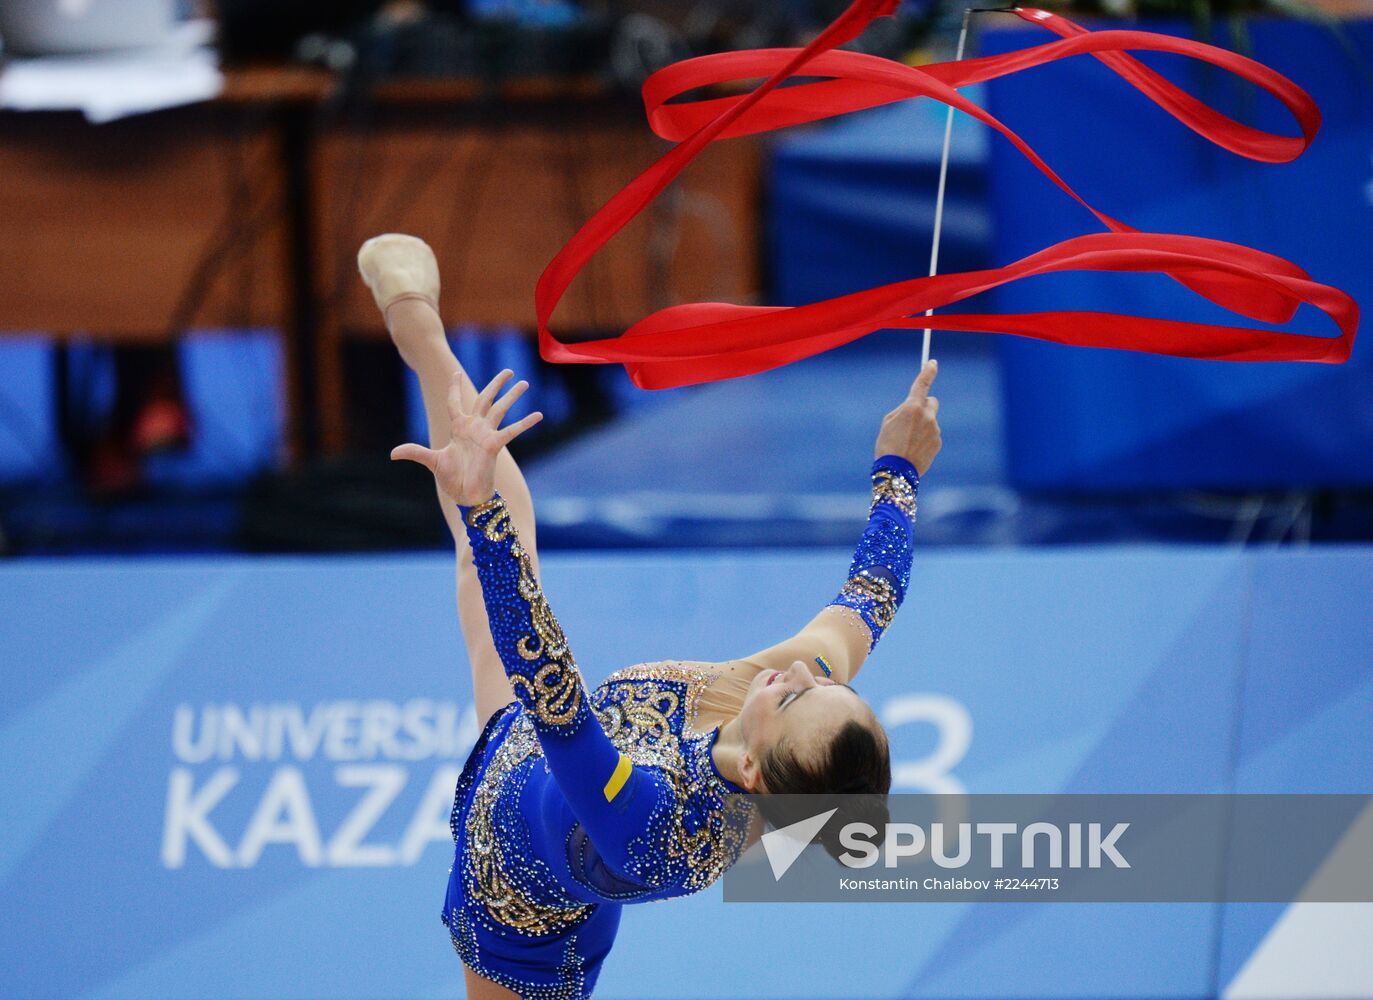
[853,777]
[867,807]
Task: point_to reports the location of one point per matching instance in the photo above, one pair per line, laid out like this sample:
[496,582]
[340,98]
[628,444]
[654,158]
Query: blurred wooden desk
[143,228]
[248,211]
[496,184]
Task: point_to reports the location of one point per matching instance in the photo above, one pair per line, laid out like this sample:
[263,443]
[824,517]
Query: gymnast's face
[795,708]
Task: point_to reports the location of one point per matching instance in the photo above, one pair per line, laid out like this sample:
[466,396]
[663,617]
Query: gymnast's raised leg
[403,276]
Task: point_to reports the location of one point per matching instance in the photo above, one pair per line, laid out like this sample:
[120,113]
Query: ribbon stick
[706,341]
[944,179]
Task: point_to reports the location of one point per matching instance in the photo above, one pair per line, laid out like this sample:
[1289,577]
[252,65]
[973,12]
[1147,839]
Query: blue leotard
[572,803]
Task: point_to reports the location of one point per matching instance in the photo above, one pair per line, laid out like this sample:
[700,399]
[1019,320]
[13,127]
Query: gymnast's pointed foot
[399,268]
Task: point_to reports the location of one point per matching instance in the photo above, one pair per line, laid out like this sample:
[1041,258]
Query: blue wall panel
[1117,670]
[1097,419]
[28,426]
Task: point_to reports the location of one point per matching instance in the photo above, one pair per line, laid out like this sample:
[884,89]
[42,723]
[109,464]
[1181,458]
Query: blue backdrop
[232,777]
[851,203]
[1097,419]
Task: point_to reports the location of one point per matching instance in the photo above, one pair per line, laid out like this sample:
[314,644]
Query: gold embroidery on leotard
[636,715]
[488,874]
[893,488]
[864,588]
[637,707]
[492,519]
[554,693]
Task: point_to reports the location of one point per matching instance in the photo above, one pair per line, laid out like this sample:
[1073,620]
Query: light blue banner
[232,777]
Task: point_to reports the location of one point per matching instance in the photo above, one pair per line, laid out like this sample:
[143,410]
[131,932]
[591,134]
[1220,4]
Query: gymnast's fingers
[519,427]
[415,453]
[933,403]
[924,380]
[502,406]
[456,408]
[489,393]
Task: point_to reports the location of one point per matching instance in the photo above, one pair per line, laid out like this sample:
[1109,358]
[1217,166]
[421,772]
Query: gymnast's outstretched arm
[846,630]
[614,801]
[403,276]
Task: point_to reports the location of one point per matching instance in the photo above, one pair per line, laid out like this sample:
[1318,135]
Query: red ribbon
[707,341]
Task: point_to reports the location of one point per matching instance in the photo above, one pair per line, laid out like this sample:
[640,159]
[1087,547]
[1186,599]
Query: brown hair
[853,775]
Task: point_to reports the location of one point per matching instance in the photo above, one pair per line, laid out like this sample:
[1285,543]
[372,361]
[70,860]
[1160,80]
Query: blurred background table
[496,182]
[246,212]
[141,229]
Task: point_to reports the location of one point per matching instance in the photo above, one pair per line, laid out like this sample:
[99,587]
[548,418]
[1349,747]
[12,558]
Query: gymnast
[575,802]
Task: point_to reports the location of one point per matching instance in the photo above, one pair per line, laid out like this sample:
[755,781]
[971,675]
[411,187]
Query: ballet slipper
[397,267]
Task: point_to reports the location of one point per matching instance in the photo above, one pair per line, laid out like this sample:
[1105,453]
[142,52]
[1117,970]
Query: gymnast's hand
[465,467]
[912,429]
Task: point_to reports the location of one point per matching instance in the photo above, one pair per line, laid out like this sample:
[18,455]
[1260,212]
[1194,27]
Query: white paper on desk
[114,85]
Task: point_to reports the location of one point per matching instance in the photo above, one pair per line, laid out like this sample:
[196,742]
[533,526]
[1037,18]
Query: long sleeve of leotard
[846,630]
[880,571]
[617,803]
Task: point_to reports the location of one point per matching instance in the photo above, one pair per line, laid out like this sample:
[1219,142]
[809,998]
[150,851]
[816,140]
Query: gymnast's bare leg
[403,275]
